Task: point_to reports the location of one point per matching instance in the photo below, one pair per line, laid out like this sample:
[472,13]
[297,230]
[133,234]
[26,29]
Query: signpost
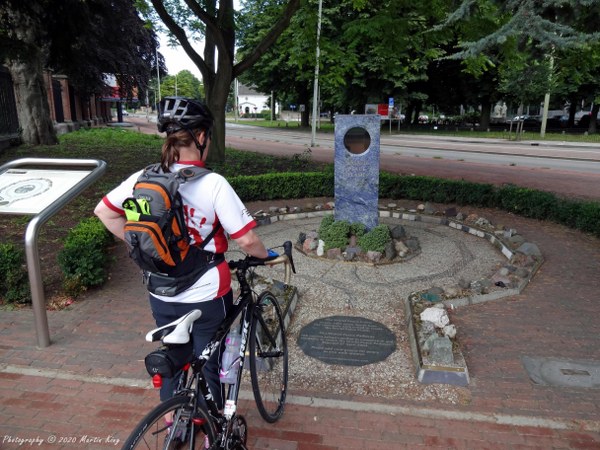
[42,187]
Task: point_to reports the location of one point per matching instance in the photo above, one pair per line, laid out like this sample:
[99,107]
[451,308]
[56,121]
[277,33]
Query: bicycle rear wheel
[268,357]
[170,426]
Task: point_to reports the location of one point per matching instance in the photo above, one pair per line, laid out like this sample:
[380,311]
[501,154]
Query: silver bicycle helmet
[180,113]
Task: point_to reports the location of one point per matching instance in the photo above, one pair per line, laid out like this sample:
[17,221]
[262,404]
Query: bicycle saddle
[176,332]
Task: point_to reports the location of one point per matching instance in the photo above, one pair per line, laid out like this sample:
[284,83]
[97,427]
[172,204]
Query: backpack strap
[193,173]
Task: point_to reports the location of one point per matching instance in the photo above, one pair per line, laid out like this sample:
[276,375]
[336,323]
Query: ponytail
[170,148]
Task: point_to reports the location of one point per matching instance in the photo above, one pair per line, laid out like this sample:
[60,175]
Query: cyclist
[208,203]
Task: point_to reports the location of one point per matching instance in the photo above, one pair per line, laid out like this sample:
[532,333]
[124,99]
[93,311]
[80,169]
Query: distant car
[423,118]
[125,113]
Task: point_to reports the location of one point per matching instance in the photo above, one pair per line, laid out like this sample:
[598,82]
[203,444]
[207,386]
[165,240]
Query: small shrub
[84,258]
[14,283]
[376,239]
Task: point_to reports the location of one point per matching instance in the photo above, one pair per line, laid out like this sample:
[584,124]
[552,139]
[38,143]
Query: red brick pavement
[78,387]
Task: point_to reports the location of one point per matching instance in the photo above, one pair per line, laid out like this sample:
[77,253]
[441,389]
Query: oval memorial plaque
[347,340]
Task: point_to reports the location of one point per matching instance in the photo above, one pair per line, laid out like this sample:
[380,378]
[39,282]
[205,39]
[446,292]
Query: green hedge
[84,258]
[578,214]
[14,283]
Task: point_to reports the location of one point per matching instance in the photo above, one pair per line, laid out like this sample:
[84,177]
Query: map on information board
[30,191]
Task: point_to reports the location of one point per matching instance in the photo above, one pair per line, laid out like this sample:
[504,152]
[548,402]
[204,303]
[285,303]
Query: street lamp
[316,83]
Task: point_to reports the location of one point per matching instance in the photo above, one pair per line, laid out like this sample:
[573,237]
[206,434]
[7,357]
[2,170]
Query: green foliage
[358,229]
[376,239]
[283,185]
[335,233]
[14,286]
[184,84]
[582,215]
[84,258]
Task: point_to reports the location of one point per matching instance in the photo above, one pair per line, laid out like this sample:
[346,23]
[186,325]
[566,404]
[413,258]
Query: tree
[530,34]
[48,34]
[216,23]
[369,51]
[183,84]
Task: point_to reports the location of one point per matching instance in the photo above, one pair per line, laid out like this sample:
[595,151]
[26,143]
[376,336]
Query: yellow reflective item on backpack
[134,208]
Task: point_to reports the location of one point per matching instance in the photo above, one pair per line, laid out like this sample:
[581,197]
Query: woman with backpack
[211,209]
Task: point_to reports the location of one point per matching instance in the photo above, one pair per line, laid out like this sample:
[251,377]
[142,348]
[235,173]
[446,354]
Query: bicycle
[195,417]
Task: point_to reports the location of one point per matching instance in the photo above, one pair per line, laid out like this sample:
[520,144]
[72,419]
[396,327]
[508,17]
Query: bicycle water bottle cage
[176,332]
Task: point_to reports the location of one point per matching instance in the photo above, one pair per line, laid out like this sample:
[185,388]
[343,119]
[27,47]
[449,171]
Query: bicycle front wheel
[268,357]
[171,426]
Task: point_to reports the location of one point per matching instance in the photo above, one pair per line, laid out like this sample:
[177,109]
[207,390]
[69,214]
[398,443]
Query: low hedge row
[578,214]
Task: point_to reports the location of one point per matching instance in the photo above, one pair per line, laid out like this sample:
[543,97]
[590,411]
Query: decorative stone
[373,256]
[437,316]
[401,248]
[390,251]
[450,212]
[450,331]
[307,245]
[321,248]
[529,249]
[398,232]
[451,291]
[441,351]
[356,166]
[334,253]
[428,209]
[464,284]
[460,217]
[413,244]
[273,209]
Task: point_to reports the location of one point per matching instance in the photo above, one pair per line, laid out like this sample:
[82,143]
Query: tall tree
[215,21]
[534,33]
[82,40]
[183,84]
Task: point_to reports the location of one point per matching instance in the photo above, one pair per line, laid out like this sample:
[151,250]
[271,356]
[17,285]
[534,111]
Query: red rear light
[198,421]
[157,381]
[187,367]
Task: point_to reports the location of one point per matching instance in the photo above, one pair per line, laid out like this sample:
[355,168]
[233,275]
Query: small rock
[450,212]
[437,316]
[428,209]
[401,248]
[392,205]
[421,207]
[330,205]
[321,248]
[390,251]
[334,253]
[398,232]
[529,249]
[451,291]
[441,351]
[450,331]
[464,284]
[460,217]
[413,244]
[307,245]
[273,209]
[301,238]
[373,256]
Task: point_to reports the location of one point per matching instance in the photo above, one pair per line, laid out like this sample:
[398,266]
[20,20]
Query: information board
[30,191]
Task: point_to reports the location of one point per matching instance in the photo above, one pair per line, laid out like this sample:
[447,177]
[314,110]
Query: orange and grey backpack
[156,233]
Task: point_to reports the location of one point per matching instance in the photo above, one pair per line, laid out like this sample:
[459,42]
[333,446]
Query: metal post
[316,83]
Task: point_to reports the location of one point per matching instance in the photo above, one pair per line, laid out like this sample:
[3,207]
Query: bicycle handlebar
[285,259]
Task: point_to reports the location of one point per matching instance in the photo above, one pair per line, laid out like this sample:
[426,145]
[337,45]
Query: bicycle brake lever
[287,250]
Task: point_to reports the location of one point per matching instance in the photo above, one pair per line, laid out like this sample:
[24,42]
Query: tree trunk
[28,80]
[486,111]
[593,119]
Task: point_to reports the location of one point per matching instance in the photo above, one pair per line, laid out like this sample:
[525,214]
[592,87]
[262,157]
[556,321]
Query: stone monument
[356,165]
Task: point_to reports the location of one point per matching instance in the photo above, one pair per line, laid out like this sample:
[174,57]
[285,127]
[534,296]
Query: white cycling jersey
[207,202]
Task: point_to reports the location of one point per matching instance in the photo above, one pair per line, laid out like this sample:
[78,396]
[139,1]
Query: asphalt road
[564,168]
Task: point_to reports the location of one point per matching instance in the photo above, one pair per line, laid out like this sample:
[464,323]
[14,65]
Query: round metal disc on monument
[347,340]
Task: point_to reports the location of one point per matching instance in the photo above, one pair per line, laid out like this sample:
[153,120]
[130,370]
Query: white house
[252,102]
